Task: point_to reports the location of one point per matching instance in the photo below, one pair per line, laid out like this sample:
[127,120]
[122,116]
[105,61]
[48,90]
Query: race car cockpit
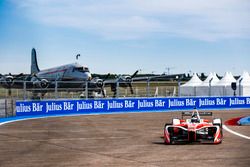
[195,118]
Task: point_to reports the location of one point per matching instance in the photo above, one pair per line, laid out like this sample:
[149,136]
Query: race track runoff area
[125,139]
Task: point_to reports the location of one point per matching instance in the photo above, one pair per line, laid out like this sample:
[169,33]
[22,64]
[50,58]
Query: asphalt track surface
[133,139]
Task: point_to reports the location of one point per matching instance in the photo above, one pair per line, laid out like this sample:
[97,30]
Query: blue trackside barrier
[52,107]
[56,108]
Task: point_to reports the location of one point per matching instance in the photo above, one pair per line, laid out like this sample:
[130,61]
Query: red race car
[193,129]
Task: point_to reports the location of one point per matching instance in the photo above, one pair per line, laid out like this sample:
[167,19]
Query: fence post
[12,107]
[56,90]
[179,88]
[117,89]
[86,90]
[24,91]
[195,91]
[240,92]
[148,87]
[210,87]
[224,90]
[5,108]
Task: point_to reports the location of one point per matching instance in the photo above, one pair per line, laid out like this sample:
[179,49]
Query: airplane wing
[8,80]
[162,77]
[35,83]
[127,80]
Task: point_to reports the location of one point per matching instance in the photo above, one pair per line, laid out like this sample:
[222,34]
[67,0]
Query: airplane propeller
[42,83]
[102,89]
[135,74]
[8,81]
[101,84]
[130,84]
[124,81]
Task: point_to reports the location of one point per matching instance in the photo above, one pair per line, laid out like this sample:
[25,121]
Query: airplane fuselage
[69,72]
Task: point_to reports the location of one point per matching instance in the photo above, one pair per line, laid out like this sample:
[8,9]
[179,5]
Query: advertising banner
[44,107]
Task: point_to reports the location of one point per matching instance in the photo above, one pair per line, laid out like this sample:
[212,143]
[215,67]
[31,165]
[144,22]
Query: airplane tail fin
[34,66]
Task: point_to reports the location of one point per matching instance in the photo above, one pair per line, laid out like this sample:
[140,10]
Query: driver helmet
[194,118]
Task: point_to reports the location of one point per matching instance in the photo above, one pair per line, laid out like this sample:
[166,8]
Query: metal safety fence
[7,108]
[85,90]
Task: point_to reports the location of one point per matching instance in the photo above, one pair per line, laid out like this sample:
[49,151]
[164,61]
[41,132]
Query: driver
[194,118]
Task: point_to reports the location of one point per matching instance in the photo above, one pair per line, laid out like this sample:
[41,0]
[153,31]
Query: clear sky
[121,36]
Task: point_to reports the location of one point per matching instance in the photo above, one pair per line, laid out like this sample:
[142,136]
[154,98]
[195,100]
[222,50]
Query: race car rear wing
[202,113]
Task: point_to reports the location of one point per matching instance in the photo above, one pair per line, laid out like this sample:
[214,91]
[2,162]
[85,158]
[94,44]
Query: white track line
[224,126]
[18,120]
[235,133]
[44,117]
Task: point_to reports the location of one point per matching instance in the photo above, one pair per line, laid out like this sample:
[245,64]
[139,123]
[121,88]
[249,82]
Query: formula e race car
[193,129]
